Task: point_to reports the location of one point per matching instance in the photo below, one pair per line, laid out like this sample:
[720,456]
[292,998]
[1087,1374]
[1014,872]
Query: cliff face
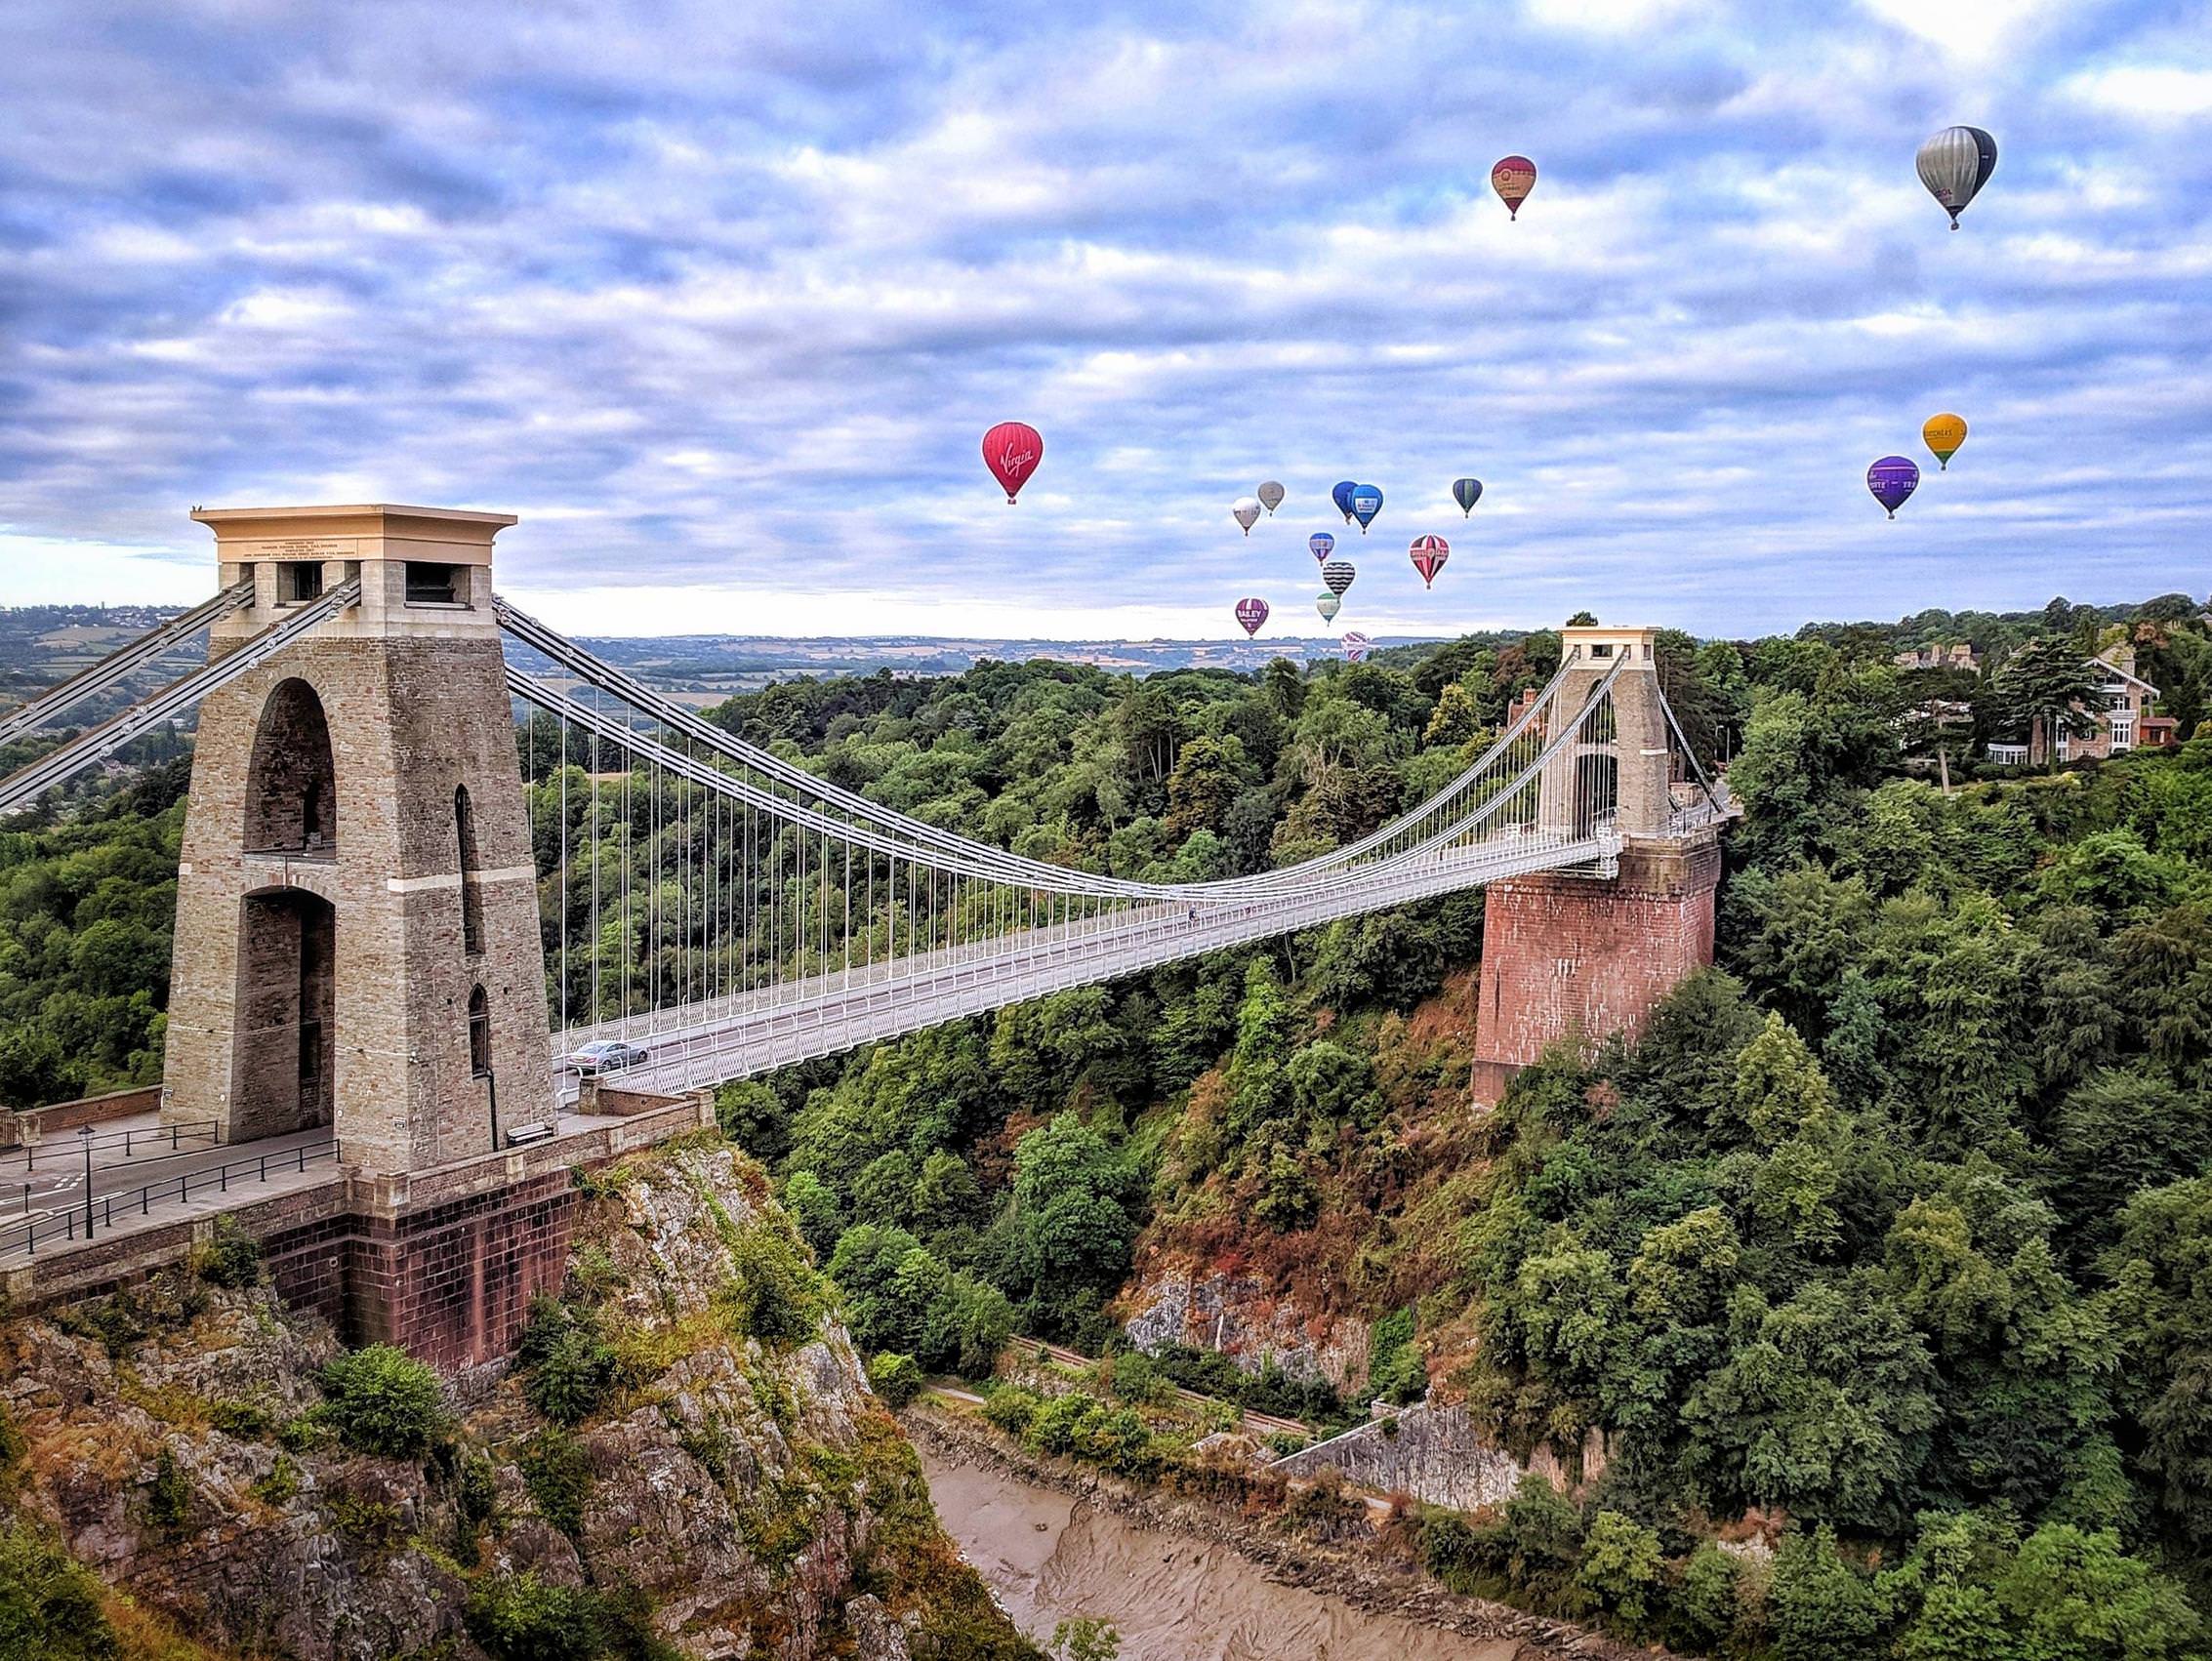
[727,1485]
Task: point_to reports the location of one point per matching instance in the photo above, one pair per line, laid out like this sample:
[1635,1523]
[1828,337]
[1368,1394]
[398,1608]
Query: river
[1051,1559]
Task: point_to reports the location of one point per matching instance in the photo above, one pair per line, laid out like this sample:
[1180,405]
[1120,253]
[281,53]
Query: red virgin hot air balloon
[1513,177]
[1011,451]
[1429,554]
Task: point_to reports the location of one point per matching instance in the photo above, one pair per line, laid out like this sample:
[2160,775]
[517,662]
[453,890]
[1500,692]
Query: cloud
[719,301]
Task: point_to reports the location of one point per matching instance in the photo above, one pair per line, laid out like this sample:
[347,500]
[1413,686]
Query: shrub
[50,1606]
[239,1418]
[168,1495]
[772,1295]
[897,1379]
[1622,1566]
[1011,1409]
[476,1489]
[573,1373]
[520,1618]
[232,1258]
[383,1400]
[1052,1427]
[560,1480]
[1138,1379]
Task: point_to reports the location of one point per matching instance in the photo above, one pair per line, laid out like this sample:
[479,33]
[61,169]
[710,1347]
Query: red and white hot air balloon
[1429,554]
[1011,451]
[1251,613]
[1356,647]
[1513,177]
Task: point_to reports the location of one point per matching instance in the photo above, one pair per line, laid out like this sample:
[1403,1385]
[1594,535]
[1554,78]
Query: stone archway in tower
[291,779]
[285,1054]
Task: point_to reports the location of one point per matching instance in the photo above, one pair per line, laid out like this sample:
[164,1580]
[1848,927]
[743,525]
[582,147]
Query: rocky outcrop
[733,1490]
[1435,1454]
[1363,1572]
[1237,1315]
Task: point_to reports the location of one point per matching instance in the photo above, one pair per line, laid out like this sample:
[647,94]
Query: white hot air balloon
[1271,497]
[1329,605]
[1954,165]
[1246,511]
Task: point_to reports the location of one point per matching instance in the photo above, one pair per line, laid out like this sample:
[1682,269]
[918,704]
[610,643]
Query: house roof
[2125,674]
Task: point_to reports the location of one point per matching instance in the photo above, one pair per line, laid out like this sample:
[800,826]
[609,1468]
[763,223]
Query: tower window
[433,585]
[479,1034]
[298,582]
[472,895]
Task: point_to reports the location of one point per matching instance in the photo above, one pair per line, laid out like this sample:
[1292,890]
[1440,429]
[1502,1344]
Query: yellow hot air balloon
[1943,435]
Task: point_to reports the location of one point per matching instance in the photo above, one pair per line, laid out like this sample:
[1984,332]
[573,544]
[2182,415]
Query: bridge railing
[63,1150]
[98,1213]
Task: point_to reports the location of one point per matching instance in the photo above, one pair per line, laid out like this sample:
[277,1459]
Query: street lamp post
[83,1140]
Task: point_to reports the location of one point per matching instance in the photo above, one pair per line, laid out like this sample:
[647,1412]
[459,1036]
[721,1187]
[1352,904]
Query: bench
[543,1131]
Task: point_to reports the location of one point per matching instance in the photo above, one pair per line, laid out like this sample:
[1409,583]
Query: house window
[2123,732]
[479,1034]
[433,585]
[298,582]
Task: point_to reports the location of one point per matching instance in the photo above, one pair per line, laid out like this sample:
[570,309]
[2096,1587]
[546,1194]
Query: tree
[1622,1566]
[1824,1610]
[2046,690]
[1070,1228]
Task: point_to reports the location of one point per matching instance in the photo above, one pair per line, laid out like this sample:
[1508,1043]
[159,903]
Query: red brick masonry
[443,1263]
[1566,957]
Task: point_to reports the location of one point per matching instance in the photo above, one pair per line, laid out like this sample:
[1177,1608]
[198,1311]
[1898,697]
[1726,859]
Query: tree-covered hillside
[1885,1244]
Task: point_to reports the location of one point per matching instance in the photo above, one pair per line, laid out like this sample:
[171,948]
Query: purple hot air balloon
[1893,479]
[1251,613]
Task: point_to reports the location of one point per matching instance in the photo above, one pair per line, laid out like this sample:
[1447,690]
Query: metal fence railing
[90,1214]
[203,1133]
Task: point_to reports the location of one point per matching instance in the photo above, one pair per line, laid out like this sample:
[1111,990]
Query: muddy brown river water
[1051,1558]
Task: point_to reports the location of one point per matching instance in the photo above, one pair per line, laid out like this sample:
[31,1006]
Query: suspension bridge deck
[711,1041]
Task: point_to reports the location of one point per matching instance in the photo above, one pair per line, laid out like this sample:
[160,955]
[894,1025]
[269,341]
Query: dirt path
[1050,1557]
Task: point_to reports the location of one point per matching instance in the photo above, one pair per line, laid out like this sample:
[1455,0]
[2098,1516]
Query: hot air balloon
[1011,451]
[1954,165]
[1893,479]
[1246,511]
[1367,503]
[1251,613]
[1429,554]
[1329,605]
[1466,493]
[1320,544]
[1356,647]
[1943,435]
[1270,496]
[1513,179]
[1337,575]
[1343,497]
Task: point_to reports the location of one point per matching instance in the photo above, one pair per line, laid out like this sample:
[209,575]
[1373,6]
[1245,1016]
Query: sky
[721,297]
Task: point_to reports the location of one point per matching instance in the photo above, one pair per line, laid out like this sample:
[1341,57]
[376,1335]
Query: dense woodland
[1888,1240]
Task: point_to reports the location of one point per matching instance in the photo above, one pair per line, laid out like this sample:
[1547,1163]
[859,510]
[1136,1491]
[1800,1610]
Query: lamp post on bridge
[83,1142]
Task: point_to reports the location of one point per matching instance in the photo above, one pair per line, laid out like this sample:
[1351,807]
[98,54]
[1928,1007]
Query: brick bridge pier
[1569,957]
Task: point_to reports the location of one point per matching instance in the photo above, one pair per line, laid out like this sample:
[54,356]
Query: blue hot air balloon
[1343,497]
[1367,503]
[1466,493]
[1320,544]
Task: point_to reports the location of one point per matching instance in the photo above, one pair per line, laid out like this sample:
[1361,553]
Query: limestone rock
[739,1492]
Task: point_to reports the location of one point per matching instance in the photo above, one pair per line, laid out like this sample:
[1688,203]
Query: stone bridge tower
[1572,956]
[357,941]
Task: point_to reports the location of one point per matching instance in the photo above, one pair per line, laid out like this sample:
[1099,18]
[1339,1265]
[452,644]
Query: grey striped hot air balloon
[1955,164]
